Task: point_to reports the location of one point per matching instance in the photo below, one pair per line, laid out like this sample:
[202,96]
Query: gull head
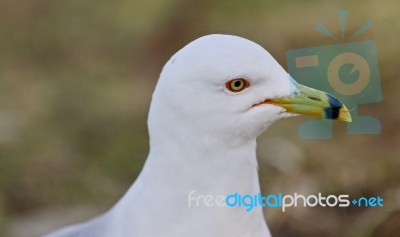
[227,86]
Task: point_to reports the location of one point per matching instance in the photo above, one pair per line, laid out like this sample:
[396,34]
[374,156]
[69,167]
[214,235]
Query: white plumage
[202,138]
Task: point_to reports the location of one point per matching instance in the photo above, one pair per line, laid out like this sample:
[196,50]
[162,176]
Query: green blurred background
[76,79]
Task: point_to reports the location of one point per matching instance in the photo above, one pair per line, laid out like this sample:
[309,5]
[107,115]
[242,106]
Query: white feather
[202,138]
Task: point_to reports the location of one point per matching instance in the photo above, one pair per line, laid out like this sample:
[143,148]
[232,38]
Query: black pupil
[237,83]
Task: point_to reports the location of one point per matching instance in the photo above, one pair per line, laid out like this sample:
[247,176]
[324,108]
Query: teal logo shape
[347,70]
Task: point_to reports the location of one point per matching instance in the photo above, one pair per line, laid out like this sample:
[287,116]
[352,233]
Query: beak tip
[344,115]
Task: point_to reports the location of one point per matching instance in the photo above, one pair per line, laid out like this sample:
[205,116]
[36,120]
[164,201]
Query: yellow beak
[305,100]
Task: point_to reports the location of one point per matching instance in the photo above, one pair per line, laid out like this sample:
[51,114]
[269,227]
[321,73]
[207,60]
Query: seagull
[214,97]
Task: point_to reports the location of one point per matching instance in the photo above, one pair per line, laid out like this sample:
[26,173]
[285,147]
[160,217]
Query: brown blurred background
[76,79]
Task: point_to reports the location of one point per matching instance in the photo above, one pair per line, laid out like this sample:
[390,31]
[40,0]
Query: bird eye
[237,85]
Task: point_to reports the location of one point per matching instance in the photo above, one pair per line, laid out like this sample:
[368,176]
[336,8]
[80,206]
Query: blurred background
[76,79]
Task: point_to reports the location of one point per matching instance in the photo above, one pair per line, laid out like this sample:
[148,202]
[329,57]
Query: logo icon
[347,70]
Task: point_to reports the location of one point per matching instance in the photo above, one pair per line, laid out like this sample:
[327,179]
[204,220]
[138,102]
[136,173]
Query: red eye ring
[237,85]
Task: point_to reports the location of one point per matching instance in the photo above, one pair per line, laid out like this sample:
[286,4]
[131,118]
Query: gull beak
[308,101]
